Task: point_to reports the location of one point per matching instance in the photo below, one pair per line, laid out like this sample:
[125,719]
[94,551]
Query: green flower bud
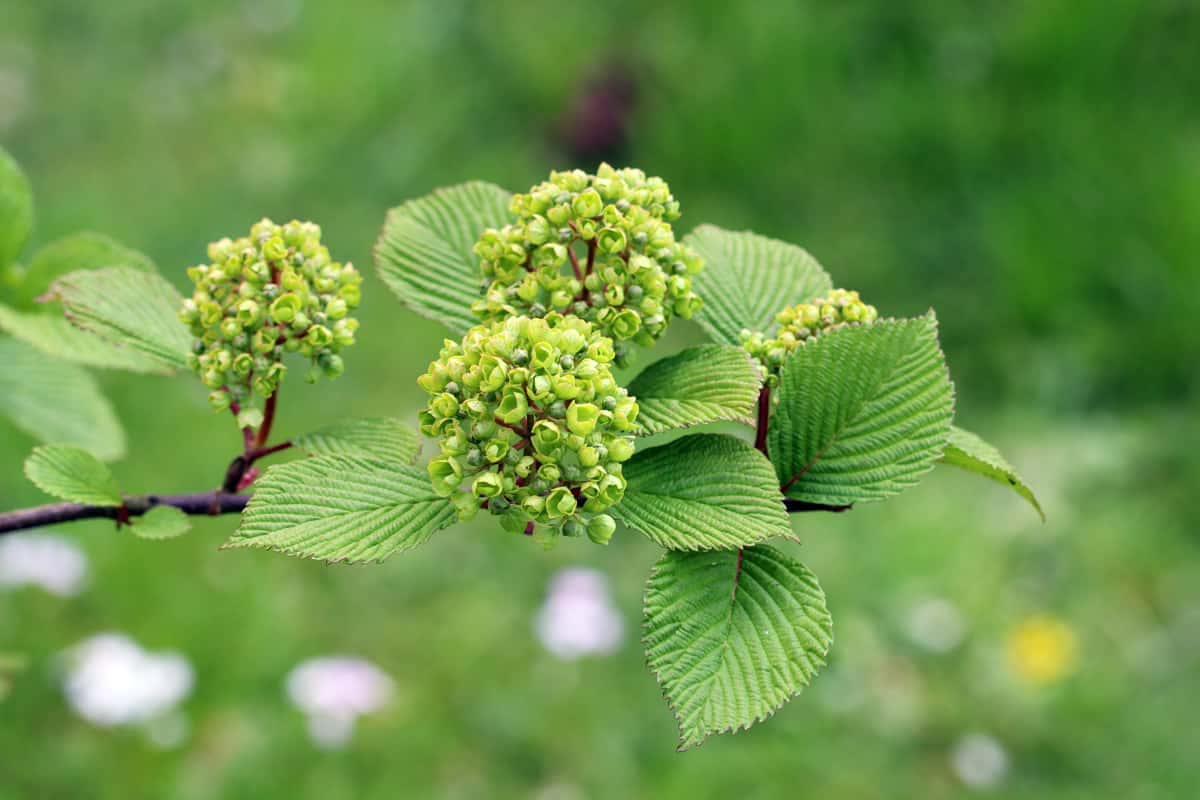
[600,528]
[582,418]
[487,485]
[560,503]
[447,474]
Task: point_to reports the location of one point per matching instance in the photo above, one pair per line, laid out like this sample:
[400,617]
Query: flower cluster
[799,323]
[599,247]
[274,291]
[533,427]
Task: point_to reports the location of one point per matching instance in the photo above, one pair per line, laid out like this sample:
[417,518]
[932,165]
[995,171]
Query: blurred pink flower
[334,691]
[578,617]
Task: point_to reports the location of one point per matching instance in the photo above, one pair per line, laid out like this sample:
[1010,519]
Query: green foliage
[73,474]
[161,522]
[16,213]
[732,635]
[424,253]
[58,338]
[701,384]
[703,492]
[385,438]
[342,508]
[531,422]
[83,250]
[747,278]
[53,401]
[127,307]
[863,412]
[968,451]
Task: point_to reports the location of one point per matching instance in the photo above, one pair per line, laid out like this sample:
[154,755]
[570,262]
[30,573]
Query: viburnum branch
[197,503]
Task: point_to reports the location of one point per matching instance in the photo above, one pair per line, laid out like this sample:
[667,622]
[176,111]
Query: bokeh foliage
[1029,170]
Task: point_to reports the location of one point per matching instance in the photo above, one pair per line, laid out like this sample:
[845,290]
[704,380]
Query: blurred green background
[1031,170]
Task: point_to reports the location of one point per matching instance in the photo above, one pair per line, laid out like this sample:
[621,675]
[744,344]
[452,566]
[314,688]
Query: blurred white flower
[111,681]
[51,562]
[334,692]
[935,624]
[979,761]
[578,617]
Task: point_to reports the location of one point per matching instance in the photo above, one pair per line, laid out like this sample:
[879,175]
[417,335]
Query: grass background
[1031,170]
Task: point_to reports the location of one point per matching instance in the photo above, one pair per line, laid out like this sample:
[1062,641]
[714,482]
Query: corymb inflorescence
[533,426]
[597,246]
[799,323]
[275,291]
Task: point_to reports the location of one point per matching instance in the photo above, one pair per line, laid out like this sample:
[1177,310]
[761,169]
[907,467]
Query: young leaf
[56,402]
[56,337]
[84,250]
[702,384]
[747,278]
[966,450]
[732,635]
[863,412]
[73,474]
[385,438]
[161,522]
[703,492]
[127,307]
[16,209]
[342,508]
[424,252]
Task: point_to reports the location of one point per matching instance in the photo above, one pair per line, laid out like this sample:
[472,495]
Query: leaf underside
[386,438]
[968,451]
[53,401]
[127,307]
[161,522]
[56,337]
[732,636]
[342,508]
[78,251]
[703,492]
[748,278]
[424,252]
[864,412]
[702,384]
[73,474]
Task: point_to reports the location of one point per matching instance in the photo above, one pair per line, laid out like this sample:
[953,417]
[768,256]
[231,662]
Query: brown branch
[198,503]
[764,414]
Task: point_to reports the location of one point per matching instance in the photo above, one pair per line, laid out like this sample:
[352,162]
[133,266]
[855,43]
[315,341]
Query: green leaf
[56,337]
[73,474]
[386,438]
[424,252]
[85,250]
[161,522]
[342,508]
[748,278]
[702,384]
[732,635]
[864,411]
[966,450]
[703,492]
[56,402]
[16,209]
[127,307]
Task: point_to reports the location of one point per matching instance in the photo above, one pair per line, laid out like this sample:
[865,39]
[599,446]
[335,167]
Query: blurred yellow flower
[1042,649]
